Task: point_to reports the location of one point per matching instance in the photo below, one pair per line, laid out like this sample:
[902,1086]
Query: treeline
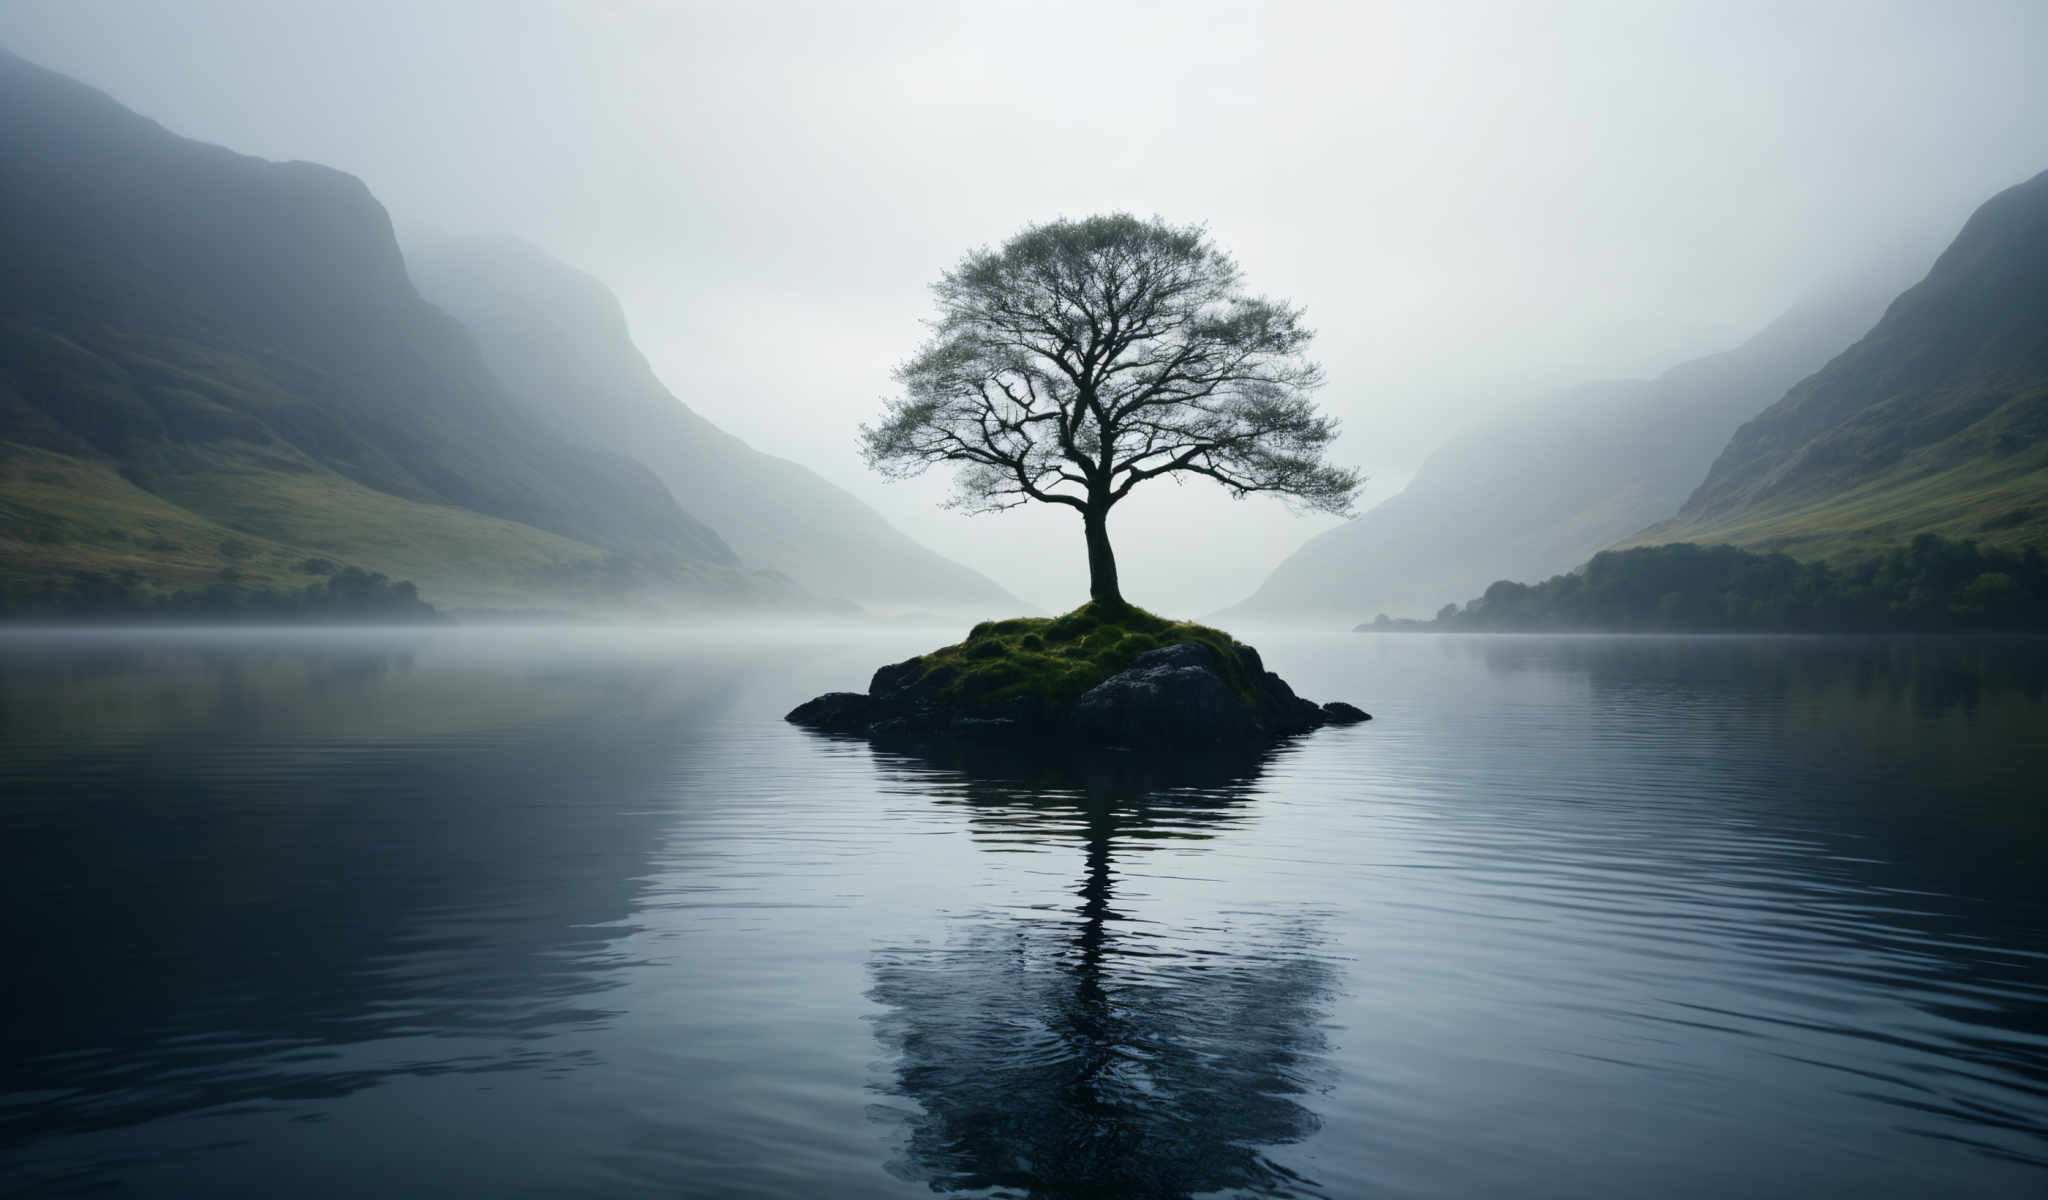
[1933,585]
[348,594]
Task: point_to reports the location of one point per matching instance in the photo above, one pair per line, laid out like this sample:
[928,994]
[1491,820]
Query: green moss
[1058,659]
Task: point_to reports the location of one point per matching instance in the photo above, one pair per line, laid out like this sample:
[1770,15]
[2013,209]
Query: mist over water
[574,912]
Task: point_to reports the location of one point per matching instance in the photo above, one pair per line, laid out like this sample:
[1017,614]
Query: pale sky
[1473,201]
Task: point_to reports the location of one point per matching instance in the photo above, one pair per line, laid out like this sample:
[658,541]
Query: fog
[1475,203]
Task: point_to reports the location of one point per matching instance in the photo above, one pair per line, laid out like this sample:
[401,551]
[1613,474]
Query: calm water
[575,913]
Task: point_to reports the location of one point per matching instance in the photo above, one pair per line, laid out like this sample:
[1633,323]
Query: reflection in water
[575,913]
[304,869]
[1088,1052]
[1796,882]
[1923,675]
[1942,735]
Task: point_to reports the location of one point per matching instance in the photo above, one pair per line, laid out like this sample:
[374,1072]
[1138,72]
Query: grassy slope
[2000,508]
[1956,488]
[457,557]
[1936,421]
[60,514]
[1058,658]
[464,559]
[195,425]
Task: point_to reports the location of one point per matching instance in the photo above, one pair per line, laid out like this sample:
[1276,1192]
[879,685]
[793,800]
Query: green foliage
[1058,659]
[348,595]
[1931,585]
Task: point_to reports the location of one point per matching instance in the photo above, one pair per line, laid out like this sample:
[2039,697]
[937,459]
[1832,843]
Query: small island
[1102,675]
[1074,363]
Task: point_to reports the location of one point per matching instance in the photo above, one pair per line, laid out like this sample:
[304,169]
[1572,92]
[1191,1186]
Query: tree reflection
[1083,1052]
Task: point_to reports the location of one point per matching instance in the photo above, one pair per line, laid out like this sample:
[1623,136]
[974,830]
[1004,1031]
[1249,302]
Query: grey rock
[908,680]
[910,725]
[1180,654]
[1177,697]
[895,676]
[1173,696]
[1276,689]
[837,712]
[1336,712]
[1285,713]
[1024,712]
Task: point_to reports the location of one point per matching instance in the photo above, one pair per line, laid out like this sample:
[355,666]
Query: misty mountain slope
[222,491]
[559,341]
[1935,422]
[61,514]
[240,338]
[1539,488]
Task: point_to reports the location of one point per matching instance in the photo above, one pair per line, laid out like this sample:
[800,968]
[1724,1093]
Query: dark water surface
[573,912]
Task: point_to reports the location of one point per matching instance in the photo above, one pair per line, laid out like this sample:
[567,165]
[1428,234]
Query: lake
[572,912]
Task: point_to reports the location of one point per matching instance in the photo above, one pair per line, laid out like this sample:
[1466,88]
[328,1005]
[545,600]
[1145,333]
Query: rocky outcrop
[1182,696]
[1336,712]
[834,712]
[1176,694]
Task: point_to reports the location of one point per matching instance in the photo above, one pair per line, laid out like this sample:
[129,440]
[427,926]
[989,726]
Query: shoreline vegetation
[345,594]
[1931,585]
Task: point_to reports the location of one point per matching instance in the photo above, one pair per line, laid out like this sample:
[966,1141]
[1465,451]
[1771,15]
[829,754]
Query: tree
[1085,357]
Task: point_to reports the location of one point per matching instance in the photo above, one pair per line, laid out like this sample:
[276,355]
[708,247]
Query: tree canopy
[1083,358]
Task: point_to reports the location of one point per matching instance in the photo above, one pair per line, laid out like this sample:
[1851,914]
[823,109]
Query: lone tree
[1086,357]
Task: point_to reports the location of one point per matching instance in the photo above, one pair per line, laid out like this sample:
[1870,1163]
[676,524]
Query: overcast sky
[1473,201]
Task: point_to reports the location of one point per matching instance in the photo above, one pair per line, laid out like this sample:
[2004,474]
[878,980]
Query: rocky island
[1078,361]
[1102,675]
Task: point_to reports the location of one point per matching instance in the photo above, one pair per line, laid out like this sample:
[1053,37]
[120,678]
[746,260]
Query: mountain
[558,340]
[1935,422]
[201,349]
[1540,487]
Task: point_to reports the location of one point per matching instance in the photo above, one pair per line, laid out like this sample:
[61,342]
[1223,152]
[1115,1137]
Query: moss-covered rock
[1056,659]
[1102,674]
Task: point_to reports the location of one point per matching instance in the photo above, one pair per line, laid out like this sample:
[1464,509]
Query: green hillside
[1929,585]
[201,349]
[1935,422]
[60,515]
[1543,484]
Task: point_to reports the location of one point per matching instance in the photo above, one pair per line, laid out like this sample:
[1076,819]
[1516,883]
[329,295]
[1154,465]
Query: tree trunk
[1102,586]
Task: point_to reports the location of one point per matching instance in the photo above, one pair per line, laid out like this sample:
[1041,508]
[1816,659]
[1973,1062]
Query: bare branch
[1083,358]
